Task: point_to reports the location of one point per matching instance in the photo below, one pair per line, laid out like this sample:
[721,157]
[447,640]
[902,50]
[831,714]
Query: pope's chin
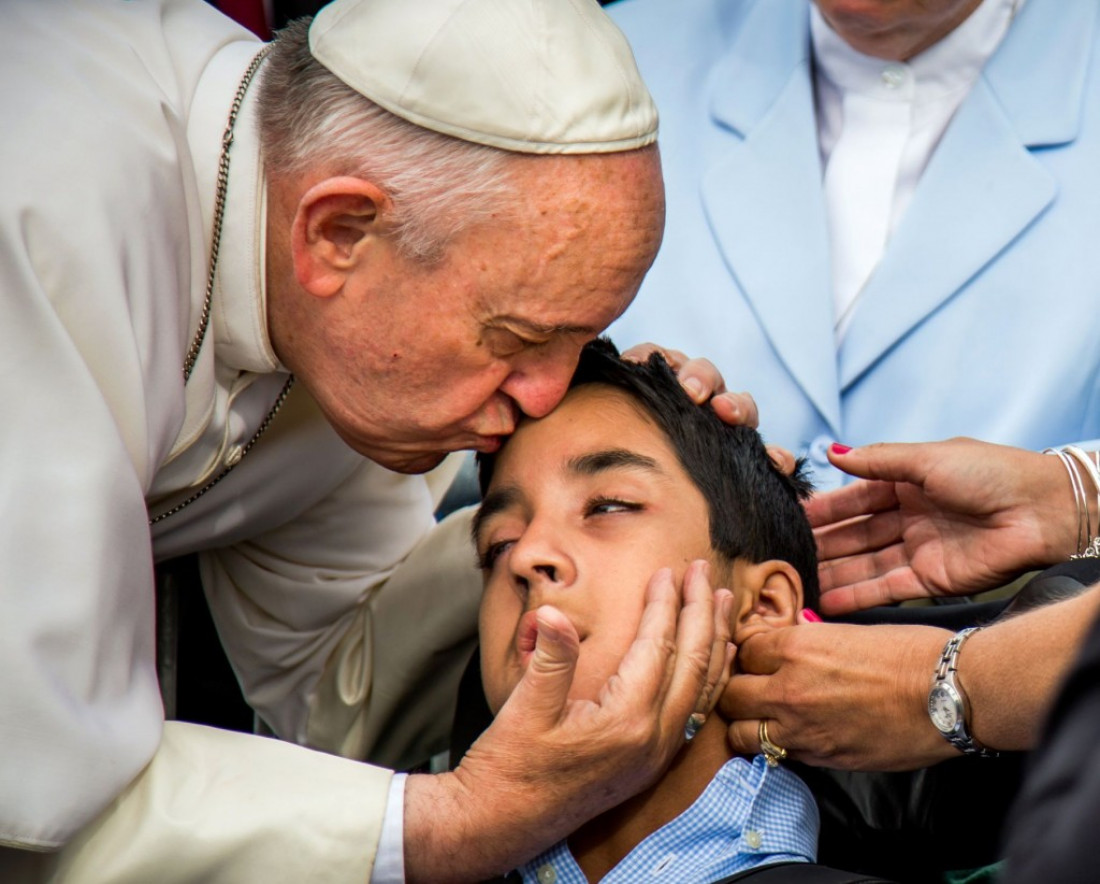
[418,459]
[395,459]
[409,463]
[423,461]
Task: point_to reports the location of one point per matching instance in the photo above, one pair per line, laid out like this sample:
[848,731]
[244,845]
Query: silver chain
[255,437]
[204,316]
[219,213]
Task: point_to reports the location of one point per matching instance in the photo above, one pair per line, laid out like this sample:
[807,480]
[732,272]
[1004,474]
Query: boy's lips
[526,634]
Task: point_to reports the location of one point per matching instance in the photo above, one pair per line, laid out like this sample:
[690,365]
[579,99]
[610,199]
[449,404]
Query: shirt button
[753,839]
[546,874]
[819,450]
[893,76]
[233,456]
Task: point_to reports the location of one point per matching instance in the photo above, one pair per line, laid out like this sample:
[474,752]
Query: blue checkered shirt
[749,815]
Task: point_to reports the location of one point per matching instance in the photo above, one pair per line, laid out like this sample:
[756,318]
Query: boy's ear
[334,223]
[770,597]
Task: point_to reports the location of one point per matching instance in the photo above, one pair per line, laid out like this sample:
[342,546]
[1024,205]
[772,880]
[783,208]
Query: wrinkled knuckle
[787,645]
[666,646]
[701,664]
[791,696]
[640,737]
[825,744]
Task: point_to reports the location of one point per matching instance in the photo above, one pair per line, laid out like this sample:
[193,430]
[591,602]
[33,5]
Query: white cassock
[328,582]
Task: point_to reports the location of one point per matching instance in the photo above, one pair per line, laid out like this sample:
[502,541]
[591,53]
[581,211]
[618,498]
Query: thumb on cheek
[553,645]
[542,693]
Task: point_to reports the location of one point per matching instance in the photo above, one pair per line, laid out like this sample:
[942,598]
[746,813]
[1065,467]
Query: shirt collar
[948,66]
[239,310]
[750,814]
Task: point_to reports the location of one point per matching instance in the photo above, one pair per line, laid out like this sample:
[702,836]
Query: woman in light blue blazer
[983,316]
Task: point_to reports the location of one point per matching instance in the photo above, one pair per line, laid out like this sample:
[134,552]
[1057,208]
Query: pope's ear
[334,223]
[771,597]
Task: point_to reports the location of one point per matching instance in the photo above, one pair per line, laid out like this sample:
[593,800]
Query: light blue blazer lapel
[763,194]
[983,187]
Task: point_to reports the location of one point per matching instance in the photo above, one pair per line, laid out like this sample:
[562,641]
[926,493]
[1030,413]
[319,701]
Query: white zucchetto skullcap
[535,76]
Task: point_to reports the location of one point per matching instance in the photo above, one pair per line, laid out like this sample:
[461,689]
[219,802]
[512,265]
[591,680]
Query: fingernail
[694,387]
[547,632]
[810,615]
[699,568]
[838,448]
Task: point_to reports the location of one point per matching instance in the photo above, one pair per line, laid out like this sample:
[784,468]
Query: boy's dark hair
[755,510]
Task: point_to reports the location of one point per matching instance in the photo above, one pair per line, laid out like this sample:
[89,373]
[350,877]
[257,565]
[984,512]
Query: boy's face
[584,506]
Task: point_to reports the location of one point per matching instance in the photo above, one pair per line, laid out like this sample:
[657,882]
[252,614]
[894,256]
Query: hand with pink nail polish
[938,519]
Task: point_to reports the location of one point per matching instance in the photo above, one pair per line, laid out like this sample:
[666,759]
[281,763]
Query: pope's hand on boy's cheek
[721,655]
[548,763]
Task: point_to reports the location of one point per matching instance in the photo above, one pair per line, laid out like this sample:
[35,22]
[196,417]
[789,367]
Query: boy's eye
[488,559]
[605,505]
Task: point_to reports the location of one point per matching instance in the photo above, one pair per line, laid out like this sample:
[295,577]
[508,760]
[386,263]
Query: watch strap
[960,736]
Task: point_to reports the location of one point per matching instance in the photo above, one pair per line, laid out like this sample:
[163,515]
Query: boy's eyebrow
[610,459]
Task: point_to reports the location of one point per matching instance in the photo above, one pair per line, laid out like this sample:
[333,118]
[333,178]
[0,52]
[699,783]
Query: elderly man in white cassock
[252,297]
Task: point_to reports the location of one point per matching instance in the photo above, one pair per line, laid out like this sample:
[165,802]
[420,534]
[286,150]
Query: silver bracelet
[1092,550]
[1079,501]
[1077,462]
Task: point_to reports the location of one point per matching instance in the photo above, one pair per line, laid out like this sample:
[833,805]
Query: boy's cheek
[497,677]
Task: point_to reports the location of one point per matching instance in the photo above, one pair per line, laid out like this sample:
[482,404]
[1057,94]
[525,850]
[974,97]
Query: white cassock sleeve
[225,808]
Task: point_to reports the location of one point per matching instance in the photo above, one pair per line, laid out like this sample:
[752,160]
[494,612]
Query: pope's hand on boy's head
[703,382]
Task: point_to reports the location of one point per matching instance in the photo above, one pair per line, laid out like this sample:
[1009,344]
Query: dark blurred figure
[256,15]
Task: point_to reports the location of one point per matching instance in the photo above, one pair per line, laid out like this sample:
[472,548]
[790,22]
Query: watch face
[943,707]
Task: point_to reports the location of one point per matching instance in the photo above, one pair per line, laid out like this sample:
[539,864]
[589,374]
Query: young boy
[580,508]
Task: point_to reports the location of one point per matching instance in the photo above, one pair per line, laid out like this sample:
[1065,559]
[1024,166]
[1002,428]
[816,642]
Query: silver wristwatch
[946,702]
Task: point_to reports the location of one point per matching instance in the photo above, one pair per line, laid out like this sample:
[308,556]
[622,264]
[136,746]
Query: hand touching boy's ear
[767,595]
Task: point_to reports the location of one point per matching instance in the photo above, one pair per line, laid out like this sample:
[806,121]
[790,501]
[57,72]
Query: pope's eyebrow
[495,502]
[541,329]
[612,459]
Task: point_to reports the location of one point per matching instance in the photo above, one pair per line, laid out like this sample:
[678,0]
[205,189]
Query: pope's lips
[489,444]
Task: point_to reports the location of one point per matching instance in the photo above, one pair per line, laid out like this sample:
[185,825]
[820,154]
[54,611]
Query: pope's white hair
[309,118]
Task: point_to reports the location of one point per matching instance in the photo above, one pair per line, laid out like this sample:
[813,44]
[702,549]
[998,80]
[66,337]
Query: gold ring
[773,754]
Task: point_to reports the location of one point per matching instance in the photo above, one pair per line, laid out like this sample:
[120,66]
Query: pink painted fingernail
[838,448]
[810,615]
